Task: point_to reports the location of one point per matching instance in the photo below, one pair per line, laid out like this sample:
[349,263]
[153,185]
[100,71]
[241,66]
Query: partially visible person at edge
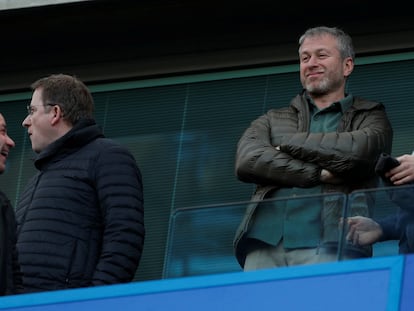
[10,276]
[81,217]
[325,141]
[397,226]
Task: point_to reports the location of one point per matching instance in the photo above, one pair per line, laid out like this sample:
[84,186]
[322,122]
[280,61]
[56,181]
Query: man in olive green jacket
[324,142]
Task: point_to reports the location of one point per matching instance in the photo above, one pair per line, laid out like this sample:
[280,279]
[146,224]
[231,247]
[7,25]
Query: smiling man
[10,276]
[325,141]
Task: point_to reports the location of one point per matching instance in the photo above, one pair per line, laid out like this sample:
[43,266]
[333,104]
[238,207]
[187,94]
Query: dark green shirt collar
[345,103]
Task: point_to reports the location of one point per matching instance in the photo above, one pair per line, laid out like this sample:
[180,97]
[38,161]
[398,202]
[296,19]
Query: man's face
[322,69]
[6,143]
[38,122]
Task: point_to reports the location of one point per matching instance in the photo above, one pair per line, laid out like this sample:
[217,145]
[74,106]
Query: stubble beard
[318,88]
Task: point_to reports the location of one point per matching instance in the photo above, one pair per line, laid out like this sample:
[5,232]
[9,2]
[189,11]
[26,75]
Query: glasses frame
[31,109]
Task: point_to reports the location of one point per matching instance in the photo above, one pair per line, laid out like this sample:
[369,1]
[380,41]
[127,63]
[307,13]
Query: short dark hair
[69,93]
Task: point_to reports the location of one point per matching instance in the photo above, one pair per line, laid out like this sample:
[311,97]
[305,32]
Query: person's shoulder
[296,103]
[362,102]
[4,201]
[104,142]
[280,110]
[107,145]
[3,197]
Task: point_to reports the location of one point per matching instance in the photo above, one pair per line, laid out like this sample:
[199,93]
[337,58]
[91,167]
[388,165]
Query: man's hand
[363,230]
[328,178]
[403,173]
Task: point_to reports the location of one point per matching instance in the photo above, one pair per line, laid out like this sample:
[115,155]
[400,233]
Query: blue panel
[407,297]
[366,284]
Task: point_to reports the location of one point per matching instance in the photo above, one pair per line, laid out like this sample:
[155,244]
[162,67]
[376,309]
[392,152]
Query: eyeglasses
[32,109]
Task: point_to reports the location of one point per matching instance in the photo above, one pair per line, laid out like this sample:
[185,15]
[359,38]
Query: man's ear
[56,113]
[348,66]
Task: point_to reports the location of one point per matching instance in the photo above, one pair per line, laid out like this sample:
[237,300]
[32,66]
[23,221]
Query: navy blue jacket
[81,217]
[400,226]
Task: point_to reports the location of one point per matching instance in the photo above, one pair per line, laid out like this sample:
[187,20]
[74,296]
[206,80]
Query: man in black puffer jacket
[81,217]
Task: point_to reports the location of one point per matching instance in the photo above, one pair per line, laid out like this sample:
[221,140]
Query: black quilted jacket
[400,225]
[81,217]
[10,276]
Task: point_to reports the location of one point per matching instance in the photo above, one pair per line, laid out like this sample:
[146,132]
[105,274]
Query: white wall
[17,4]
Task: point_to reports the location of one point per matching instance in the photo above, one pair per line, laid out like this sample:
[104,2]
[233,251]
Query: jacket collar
[82,133]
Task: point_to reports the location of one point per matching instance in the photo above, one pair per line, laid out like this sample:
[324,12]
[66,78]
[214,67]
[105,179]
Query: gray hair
[345,46]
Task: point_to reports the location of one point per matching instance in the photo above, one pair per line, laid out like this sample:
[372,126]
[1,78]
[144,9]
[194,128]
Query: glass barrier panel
[392,207]
[200,239]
